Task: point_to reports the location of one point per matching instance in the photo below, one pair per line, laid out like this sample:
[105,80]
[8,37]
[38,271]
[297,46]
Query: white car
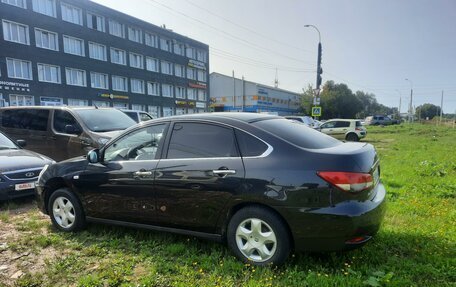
[343,129]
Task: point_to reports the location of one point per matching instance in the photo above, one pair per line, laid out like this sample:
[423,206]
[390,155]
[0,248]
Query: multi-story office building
[79,53]
[232,94]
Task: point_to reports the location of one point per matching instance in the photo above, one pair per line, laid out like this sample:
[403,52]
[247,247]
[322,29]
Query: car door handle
[223,172]
[143,173]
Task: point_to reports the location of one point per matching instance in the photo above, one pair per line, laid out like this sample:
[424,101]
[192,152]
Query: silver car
[343,129]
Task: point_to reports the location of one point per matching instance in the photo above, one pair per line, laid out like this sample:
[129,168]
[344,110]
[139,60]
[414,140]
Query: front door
[199,174]
[121,186]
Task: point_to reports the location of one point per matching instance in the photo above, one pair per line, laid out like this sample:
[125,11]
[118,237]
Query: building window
[118,105]
[96,22]
[168,111]
[75,77]
[73,46]
[49,73]
[152,64]
[51,102]
[179,49]
[191,73]
[167,91]
[191,52]
[151,40]
[179,70]
[18,3]
[154,111]
[46,39]
[201,56]
[166,67]
[99,81]
[71,14]
[166,44]
[15,32]
[202,75]
[120,83]
[135,35]
[97,51]
[202,95]
[118,56]
[46,7]
[137,86]
[136,61]
[20,100]
[137,107]
[19,69]
[116,29]
[152,89]
[180,92]
[76,102]
[191,94]
[101,104]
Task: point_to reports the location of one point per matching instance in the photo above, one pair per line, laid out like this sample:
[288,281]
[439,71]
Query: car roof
[56,108]
[240,116]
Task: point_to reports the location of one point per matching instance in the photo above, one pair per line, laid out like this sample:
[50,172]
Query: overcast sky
[369,45]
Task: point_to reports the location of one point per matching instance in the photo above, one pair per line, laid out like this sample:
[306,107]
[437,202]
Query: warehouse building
[79,53]
[232,94]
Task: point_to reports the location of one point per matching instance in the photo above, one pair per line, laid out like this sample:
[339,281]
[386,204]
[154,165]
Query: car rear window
[249,145]
[297,134]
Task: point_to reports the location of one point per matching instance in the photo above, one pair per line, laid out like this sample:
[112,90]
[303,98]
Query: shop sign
[262,91]
[51,100]
[111,96]
[201,105]
[185,104]
[14,86]
[197,85]
[197,64]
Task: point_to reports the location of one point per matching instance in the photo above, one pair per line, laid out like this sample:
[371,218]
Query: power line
[246,42]
[248,29]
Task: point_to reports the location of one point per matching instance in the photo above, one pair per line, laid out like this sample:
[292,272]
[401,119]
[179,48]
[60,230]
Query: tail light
[352,182]
[358,129]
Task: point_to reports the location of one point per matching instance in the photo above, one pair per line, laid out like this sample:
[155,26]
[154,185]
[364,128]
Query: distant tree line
[338,101]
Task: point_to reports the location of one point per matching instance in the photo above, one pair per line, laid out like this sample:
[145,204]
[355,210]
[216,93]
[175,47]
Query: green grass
[415,246]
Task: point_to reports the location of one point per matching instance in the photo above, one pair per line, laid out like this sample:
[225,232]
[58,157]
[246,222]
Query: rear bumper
[332,228]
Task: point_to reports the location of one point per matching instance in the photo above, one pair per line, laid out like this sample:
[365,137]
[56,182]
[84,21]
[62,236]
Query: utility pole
[243,93]
[276,81]
[316,101]
[411,101]
[234,92]
[441,108]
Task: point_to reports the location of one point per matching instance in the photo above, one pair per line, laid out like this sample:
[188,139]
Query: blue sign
[316,111]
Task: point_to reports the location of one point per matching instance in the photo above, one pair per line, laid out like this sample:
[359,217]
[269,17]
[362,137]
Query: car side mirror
[72,130]
[94,156]
[21,143]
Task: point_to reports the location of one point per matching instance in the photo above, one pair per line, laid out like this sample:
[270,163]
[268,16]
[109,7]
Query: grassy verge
[415,247]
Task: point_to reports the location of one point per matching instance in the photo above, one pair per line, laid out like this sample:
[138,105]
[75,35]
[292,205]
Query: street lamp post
[400,104]
[319,69]
[411,101]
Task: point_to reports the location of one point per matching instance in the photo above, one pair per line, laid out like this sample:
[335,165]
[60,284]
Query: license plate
[27,185]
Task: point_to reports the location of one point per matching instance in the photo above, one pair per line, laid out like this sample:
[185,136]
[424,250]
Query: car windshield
[6,143]
[105,120]
[297,133]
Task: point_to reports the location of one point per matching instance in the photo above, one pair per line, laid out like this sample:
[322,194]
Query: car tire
[66,211]
[351,137]
[258,236]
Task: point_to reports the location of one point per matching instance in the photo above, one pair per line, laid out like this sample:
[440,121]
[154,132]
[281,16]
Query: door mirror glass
[93,156]
[72,130]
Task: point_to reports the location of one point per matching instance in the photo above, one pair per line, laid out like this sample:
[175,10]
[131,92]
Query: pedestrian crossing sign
[316,111]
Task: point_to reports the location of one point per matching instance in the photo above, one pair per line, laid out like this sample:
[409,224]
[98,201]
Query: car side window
[145,117]
[329,125]
[342,124]
[27,119]
[62,119]
[250,145]
[141,144]
[198,140]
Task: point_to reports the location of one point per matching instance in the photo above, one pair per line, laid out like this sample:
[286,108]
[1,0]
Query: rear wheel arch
[351,136]
[234,209]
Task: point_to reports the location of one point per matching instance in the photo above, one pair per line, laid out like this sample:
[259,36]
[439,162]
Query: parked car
[63,132]
[264,184]
[343,129]
[308,121]
[379,120]
[138,116]
[19,168]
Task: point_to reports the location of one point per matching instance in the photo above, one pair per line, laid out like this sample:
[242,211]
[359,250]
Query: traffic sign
[316,111]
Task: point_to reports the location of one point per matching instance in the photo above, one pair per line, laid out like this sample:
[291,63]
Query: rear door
[200,172]
[340,129]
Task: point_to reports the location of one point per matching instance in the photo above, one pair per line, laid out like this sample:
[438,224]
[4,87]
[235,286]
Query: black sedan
[263,184]
[19,169]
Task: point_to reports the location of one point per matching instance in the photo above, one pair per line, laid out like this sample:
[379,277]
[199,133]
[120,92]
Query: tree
[306,100]
[427,111]
[338,101]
